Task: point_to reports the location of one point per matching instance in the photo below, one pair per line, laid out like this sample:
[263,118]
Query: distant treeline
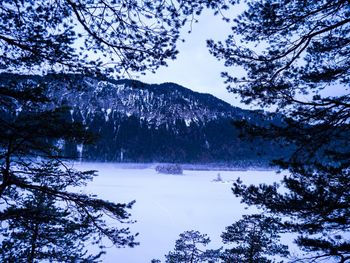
[130,139]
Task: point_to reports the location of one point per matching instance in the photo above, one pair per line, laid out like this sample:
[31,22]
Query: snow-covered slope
[135,121]
[156,104]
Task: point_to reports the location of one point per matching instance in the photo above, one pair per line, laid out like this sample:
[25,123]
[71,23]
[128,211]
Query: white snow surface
[167,205]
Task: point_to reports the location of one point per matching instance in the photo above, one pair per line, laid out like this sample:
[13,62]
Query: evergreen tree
[43,228]
[255,237]
[70,36]
[189,249]
[97,36]
[46,222]
[296,55]
[31,132]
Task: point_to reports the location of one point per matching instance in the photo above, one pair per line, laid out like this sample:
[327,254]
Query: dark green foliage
[299,63]
[189,248]
[254,239]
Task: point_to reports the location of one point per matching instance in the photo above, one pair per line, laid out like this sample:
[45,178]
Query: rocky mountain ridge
[142,122]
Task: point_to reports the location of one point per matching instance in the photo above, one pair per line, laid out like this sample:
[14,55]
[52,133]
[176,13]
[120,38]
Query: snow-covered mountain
[135,121]
[156,104]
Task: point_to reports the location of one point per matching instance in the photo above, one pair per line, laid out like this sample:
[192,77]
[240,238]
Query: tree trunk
[31,256]
[6,170]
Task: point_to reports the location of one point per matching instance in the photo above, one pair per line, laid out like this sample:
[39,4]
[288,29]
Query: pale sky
[197,70]
[194,67]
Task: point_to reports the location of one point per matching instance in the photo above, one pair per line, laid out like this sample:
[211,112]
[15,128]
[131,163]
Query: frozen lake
[167,205]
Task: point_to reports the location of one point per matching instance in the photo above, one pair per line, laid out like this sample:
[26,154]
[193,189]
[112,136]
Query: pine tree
[45,222]
[70,36]
[189,249]
[43,228]
[254,239]
[295,54]
[93,36]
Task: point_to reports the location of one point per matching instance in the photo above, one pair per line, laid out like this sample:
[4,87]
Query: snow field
[167,205]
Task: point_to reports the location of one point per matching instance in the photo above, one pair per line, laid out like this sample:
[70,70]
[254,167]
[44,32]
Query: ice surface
[167,205]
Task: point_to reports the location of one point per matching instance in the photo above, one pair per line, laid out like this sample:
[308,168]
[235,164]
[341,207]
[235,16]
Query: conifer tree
[254,238]
[46,222]
[69,36]
[43,228]
[189,248]
[295,55]
[97,36]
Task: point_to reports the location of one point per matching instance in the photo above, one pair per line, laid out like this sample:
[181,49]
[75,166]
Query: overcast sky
[194,67]
[197,70]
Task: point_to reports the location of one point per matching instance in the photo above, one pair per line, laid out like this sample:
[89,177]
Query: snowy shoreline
[239,167]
